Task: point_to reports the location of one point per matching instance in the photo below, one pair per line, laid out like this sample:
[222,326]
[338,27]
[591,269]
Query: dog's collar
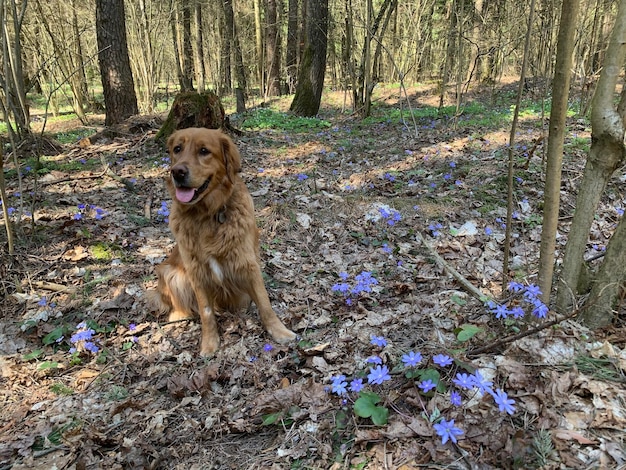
[221,215]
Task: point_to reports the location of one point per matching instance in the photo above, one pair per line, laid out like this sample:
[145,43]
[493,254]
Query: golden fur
[214,265]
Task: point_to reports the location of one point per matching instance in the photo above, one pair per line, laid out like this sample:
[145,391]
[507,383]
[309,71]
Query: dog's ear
[232,159]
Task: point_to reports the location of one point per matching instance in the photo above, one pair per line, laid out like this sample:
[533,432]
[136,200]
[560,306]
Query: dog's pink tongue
[185,194]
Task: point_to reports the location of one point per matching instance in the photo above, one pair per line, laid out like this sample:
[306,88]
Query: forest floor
[336,197]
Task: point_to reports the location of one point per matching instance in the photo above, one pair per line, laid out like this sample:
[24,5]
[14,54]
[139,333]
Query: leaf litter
[326,204]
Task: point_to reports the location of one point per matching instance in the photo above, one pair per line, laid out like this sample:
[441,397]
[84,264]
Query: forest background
[437,59]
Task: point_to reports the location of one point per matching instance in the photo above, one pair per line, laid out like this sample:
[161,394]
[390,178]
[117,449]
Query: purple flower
[411,359]
[532,292]
[341,287]
[378,375]
[501,311]
[91,347]
[442,360]
[540,310]
[356,385]
[504,403]
[82,335]
[447,431]
[374,360]
[78,216]
[379,341]
[517,312]
[338,384]
[427,385]
[268,347]
[132,327]
[455,398]
[42,302]
[482,383]
[464,381]
[302,177]
[515,286]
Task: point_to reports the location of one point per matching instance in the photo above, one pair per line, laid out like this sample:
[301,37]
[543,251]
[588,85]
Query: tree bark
[308,97]
[258,36]
[291,59]
[187,48]
[605,156]
[117,79]
[272,46]
[200,68]
[552,192]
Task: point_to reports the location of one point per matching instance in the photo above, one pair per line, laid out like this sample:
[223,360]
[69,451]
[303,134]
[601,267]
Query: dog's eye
[204,151]
[177,148]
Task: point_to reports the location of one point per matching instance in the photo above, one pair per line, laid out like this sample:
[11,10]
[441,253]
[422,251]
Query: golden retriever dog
[215,263]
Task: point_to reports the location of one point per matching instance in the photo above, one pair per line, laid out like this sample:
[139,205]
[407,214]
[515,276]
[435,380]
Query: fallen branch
[54,287]
[468,286]
[523,334]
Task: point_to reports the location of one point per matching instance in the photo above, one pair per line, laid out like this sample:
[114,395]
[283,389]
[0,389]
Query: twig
[468,286]
[147,213]
[54,287]
[69,178]
[523,334]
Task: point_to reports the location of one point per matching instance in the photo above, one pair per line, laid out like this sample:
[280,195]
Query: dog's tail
[174,294]
[157,303]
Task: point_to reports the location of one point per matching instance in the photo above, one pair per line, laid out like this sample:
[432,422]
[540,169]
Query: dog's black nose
[179,173]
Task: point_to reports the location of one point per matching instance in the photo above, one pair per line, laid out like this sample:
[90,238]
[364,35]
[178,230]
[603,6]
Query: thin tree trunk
[605,156]
[291,54]
[187,48]
[258,30]
[273,49]
[520,91]
[200,68]
[177,48]
[552,192]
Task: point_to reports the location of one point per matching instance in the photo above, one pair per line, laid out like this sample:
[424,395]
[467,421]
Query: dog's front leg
[210,341]
[269,319]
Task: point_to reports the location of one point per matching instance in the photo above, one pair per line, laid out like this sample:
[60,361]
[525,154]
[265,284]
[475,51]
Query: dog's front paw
[209,347]
[177,315]
[281,334]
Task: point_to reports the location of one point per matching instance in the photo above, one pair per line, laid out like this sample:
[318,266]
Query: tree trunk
[187,48]
[552,192]
[226,76]
[605,156]
[258,30]
[272,49]
[291,59]
[117,79]
[308,97]
[81,93]
[13,77]
[231,31]
[361,97]
[200,68]
[177,48]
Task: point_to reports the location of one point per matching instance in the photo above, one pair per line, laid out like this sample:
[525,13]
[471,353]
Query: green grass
[73,136]
[270,119]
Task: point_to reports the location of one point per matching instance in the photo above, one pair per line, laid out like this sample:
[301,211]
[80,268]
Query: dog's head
[202,160]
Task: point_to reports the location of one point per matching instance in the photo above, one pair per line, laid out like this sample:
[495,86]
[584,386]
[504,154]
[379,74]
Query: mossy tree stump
[192,109]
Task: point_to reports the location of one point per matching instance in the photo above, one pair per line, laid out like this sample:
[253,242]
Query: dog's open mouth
[186,195]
